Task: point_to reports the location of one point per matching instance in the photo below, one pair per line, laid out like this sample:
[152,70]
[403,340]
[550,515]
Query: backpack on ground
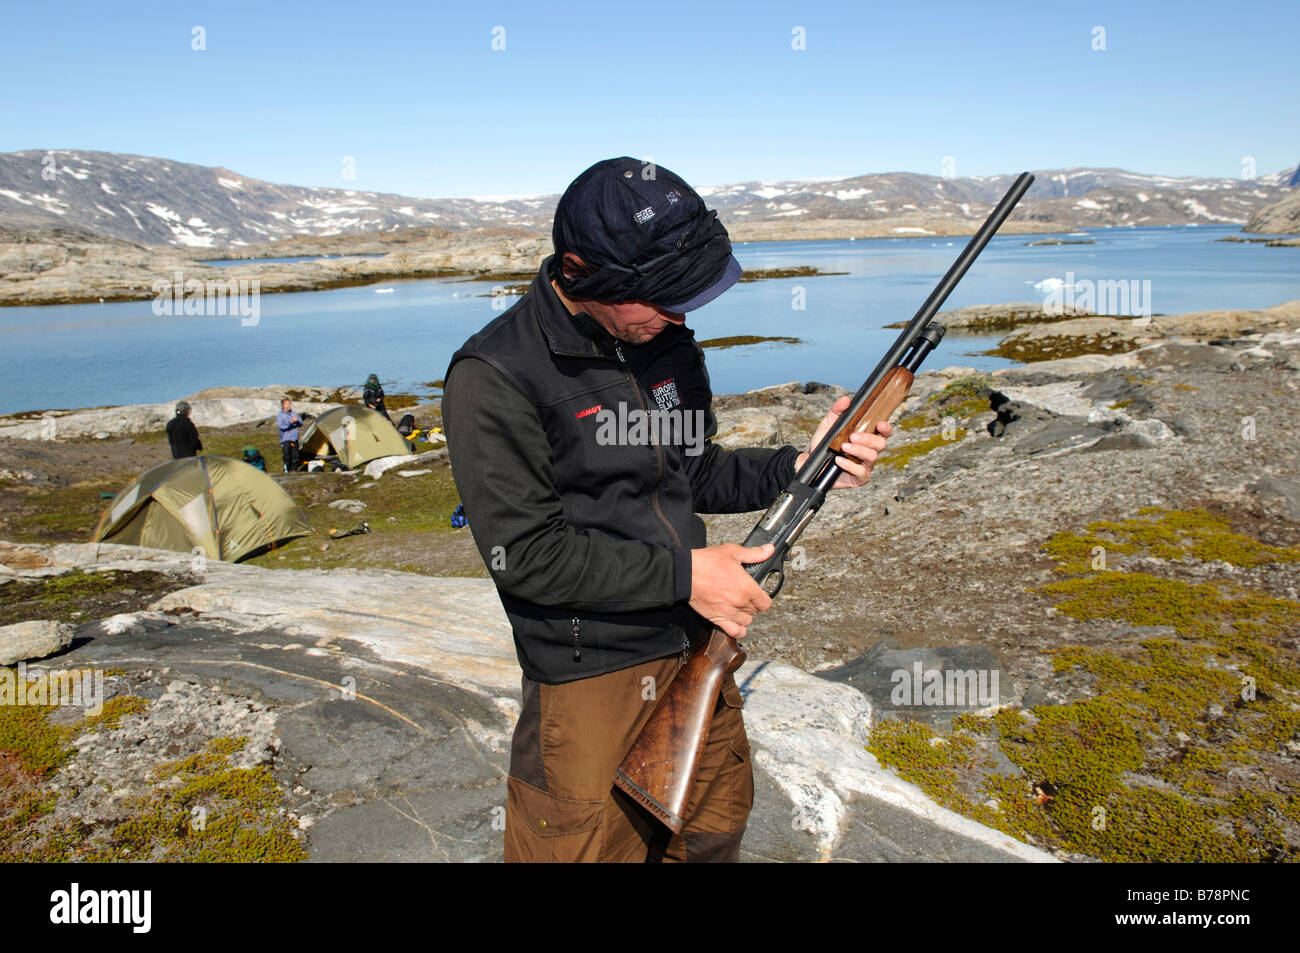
[253,457]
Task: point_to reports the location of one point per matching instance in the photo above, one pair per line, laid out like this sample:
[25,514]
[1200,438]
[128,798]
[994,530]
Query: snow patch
[166,214]
[848,195]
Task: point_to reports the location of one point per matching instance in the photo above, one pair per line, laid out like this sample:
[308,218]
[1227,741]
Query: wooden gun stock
[659,770]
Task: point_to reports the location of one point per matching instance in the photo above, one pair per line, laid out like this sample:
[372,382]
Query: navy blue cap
[729,277]
[645,235]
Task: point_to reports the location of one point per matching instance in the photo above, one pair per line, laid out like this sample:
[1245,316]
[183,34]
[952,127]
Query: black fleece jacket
[588,538]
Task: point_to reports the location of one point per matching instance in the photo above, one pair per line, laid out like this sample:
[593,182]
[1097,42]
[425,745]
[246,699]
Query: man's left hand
[859,453]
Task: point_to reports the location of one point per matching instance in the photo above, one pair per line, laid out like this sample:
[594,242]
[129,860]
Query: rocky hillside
[1280,218]
[908,203]
[154,201]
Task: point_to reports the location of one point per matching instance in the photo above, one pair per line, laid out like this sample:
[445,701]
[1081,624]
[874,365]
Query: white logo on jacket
[665,394]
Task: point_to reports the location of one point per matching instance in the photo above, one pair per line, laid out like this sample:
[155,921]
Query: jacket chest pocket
[680,415]
[600,443]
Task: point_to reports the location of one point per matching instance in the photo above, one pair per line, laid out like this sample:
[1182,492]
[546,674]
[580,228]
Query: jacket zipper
[659,451]
[654,501]
[577,641]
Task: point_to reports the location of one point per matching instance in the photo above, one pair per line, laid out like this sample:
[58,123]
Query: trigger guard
[779,575]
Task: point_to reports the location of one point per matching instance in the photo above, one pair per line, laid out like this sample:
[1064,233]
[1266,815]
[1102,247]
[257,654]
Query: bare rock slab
[38,638]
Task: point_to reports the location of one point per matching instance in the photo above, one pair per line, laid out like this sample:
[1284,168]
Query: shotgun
[661,766]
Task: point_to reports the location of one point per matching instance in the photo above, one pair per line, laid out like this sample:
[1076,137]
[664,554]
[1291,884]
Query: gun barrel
[822,453]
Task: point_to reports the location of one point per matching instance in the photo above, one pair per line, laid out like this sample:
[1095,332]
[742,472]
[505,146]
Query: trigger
[779,576]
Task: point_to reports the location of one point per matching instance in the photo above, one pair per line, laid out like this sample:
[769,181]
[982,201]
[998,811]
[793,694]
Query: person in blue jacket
[288,423]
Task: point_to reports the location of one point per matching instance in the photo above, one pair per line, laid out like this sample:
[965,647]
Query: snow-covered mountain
[1087,198]
[163,202]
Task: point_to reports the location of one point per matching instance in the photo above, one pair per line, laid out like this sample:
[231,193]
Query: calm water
[121,353]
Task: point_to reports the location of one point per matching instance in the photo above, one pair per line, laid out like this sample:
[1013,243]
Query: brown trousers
[561,803]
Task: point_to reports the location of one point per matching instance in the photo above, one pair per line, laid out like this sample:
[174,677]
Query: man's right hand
[722,591]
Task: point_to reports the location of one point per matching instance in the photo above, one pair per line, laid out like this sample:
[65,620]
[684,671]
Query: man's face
[635,322]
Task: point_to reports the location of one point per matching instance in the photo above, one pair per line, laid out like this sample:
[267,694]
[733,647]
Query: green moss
[743,340]
[32,749]
[39,746]
[904,455]
[225,443]
[205,810]
[409,513]
[63,514]
[1055,347]
[1005,318]
[1165,534]
[26,733]
[244,820]
[960,399]
[798,271]
[914,421]
[1165,760]
[971,387]
[77,597]
[932,762]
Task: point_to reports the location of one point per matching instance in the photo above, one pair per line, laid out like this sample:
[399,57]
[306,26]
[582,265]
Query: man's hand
[722,591]
[859,453]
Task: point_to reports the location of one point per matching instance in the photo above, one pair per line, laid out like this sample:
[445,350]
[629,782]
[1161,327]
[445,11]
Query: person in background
[409,431]
[288,423]
[182,434]
[373,396]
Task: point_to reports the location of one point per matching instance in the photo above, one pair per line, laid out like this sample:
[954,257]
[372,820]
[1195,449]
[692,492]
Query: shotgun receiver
[660,769]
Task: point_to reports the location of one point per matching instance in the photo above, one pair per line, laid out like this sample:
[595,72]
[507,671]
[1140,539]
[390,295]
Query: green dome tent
[222,506]
[356,435]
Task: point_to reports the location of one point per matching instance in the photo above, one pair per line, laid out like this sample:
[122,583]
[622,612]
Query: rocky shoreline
[37,269]
[44,267]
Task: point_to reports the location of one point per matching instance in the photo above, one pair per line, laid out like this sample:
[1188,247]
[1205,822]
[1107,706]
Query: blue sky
[416,94]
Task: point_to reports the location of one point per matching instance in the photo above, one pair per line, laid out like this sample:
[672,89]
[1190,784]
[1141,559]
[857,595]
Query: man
[590,532]
[372,395]
[182,434]
[288,423]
